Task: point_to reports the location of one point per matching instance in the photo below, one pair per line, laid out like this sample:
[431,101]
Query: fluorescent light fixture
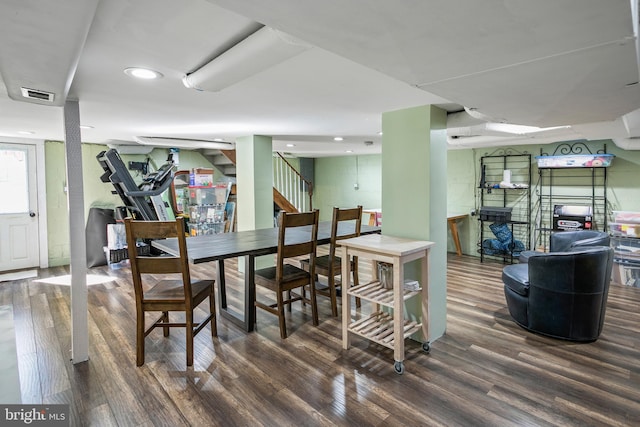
[349,151]
[86,127]
[142,73]
[193,144]
[26,132]
[338,138]
[291,145]
[519,129]
[261,50]
[126,147]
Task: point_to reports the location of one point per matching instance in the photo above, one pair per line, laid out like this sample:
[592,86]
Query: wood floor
[486,371]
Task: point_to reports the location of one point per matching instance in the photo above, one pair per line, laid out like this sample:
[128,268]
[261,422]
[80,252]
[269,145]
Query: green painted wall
[96,193]
[334,183]
[334,176]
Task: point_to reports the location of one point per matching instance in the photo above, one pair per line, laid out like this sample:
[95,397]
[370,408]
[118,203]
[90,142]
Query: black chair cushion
[516,278]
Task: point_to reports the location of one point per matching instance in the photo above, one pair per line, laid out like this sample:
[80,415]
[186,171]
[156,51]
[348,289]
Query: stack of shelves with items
[203,203]
[572,190]
[625,240]
[386,325]
[505,204]
[208,209]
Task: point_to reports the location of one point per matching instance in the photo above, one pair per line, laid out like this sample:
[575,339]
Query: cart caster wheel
[426,347]
[399,368]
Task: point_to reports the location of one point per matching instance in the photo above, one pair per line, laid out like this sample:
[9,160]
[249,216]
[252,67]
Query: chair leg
[289,298]
[281,321]
[140,338]
[189,328]
[212,310]
[314,303]
[165,319]
[333,294]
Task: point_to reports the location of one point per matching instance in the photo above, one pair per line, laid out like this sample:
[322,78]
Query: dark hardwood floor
[486,371]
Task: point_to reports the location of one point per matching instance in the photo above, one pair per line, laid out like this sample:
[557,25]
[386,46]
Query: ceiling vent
[39,95]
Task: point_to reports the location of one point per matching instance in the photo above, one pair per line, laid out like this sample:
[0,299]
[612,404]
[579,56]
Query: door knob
[32,214]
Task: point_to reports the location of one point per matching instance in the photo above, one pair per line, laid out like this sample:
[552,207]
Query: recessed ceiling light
[349,151]
[218,139]
[26,132]
[86,127]
[142,73]
[380,133]
[338,138]
[291,145]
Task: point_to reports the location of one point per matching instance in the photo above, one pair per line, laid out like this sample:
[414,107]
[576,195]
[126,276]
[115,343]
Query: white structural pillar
[78,252]
[414,197]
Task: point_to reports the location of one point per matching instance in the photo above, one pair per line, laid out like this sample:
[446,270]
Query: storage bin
[495,214]
[626,216]
[624,229]
[626,274]
[626,249]
[575,161]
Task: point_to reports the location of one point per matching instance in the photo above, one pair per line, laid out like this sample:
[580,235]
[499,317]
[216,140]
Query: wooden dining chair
[172,289]
[293,241]
[330,265]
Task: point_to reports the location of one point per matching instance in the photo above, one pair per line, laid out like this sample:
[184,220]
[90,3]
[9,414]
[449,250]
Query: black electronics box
[495,214]
[572,217]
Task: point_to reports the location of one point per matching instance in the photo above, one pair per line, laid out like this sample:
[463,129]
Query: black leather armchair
[561,294]
[565,241]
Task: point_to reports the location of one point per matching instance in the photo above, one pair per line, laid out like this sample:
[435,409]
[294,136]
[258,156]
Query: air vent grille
[39,95]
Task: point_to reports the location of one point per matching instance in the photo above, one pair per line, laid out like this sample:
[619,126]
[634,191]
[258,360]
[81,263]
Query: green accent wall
[334,183]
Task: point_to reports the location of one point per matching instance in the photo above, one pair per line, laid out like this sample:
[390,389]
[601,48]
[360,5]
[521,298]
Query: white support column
[78,252]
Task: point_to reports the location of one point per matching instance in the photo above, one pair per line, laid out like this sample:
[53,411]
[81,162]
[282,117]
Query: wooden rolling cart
[383,327]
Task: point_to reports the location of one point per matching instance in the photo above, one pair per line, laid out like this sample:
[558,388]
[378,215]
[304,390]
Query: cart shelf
[373,291]
[378,327]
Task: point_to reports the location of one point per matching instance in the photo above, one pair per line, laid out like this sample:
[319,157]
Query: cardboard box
[572,217]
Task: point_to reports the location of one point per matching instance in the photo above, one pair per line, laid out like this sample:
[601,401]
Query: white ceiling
[538,63]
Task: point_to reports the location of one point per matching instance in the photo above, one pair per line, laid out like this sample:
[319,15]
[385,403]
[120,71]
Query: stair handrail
[291,187]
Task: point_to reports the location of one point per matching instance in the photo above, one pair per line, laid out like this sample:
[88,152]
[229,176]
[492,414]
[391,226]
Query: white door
[19,240]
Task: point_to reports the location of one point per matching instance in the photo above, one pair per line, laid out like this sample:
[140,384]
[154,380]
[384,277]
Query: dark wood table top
[214,247]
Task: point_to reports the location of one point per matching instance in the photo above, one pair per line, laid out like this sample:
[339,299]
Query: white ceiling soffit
[59,30]
[541,63]
[466,131]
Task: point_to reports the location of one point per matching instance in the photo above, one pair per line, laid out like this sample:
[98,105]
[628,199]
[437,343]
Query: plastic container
[385,275]
[624,229]
[626,216]
[575,161]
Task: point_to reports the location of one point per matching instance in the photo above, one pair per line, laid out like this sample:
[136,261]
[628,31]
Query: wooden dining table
[248,244]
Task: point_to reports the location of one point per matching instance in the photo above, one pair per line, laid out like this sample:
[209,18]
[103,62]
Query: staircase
[224,160]
[291,192]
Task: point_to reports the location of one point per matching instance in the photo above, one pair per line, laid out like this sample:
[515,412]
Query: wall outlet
[356,186]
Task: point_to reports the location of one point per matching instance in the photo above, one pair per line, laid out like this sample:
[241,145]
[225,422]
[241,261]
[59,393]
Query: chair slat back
[353,215]
[165,264]
[293,240]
